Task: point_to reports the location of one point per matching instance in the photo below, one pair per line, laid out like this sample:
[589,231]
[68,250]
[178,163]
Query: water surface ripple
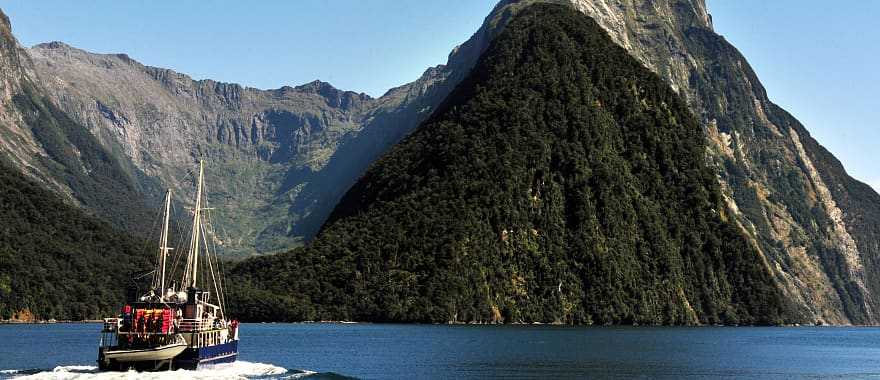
[335,351]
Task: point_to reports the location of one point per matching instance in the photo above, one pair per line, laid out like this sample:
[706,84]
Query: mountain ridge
[821,254]
[124,102]
[52,149]
[260,144]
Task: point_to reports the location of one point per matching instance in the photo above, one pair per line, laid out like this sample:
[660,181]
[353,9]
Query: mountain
[561,181]
[816,226]
[263,148]
[68,209]
[43,142]
[278,160]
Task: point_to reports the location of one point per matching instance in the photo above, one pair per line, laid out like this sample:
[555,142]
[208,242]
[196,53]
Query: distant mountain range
[107,134]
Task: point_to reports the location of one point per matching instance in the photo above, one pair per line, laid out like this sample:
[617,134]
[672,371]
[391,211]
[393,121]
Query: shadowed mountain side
[55,260]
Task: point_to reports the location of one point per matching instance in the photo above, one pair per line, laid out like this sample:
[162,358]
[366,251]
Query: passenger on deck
[142,324]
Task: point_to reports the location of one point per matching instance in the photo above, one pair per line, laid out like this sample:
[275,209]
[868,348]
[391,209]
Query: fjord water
[426,351]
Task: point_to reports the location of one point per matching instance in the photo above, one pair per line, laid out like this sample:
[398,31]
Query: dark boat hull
[193,358]
[190,359]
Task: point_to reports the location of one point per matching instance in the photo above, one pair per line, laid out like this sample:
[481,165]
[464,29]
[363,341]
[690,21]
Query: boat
[178,324]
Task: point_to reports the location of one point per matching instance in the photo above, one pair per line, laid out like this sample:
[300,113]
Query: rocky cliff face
[263,147]
[815,225]
[17,141]
[42,142]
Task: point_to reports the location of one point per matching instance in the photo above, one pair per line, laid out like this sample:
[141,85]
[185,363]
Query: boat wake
[236,370]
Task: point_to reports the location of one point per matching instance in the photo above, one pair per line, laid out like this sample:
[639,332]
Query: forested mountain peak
[815,224]
[560,181]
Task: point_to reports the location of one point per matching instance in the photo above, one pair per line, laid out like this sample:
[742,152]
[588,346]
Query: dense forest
[55,260]
[561,181]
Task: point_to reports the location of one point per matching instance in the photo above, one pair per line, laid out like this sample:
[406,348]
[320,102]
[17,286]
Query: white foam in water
[300,375]
[236,370]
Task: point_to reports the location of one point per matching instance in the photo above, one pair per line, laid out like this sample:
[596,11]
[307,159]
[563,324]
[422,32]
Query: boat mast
[193,258]
[163,245]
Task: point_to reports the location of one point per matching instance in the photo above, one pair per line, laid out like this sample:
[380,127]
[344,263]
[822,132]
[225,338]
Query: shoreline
[97,321]
[47,322]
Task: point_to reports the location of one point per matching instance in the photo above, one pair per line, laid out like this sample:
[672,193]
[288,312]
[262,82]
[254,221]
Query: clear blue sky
[359,45]
[817,59]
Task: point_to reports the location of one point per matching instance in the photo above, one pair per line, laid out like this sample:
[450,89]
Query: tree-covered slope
[55,260]
[561,181]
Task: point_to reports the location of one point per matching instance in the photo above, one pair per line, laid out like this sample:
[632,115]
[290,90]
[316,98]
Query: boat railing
[195,324]
[111,324]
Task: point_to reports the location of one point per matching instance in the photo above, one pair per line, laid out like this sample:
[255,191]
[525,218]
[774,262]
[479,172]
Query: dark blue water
[420,351]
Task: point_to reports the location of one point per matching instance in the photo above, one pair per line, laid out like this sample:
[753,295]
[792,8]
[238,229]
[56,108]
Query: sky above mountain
[358,45]
[816,59]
